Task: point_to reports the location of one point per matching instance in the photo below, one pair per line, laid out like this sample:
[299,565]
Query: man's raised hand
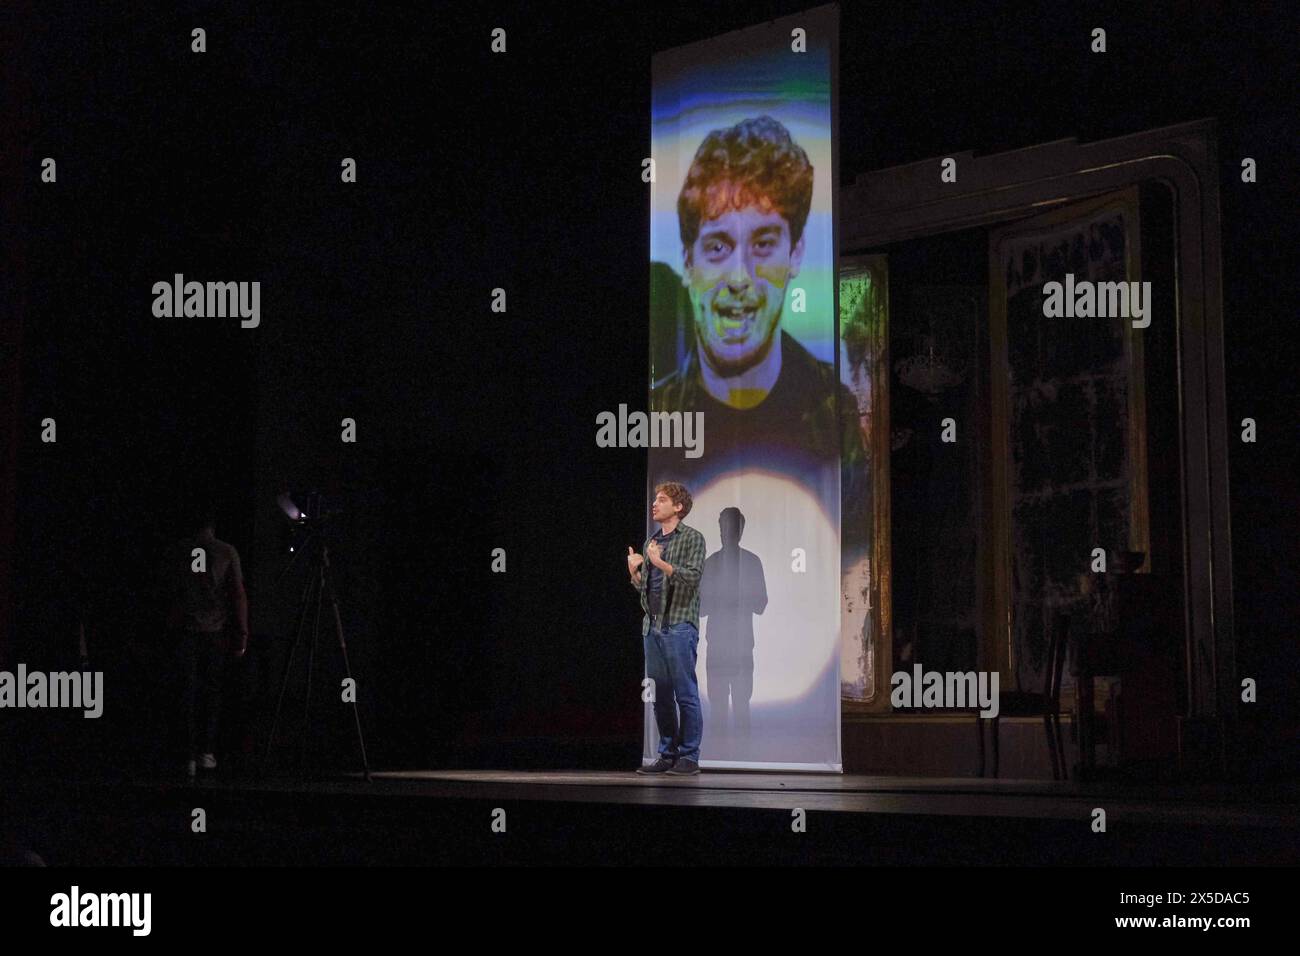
[634,561]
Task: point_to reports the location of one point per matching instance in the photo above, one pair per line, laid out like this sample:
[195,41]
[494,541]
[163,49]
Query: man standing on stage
[207,618]
[673,563]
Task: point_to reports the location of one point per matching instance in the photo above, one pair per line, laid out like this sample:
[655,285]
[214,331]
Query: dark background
[476,429]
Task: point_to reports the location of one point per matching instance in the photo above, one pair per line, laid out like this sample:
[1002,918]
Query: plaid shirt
[685,552]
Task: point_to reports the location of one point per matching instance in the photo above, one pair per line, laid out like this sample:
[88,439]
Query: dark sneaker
[659,766]
[684,767]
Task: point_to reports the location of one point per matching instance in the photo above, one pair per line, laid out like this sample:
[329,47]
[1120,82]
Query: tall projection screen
[743,309]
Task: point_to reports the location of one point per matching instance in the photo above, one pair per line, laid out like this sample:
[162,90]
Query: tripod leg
[347,669]
[303,604]
[311,667]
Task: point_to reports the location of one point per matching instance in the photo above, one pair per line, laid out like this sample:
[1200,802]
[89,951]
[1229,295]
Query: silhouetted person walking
[205,586]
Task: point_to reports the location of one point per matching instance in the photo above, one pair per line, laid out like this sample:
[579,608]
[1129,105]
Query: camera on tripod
[307,527]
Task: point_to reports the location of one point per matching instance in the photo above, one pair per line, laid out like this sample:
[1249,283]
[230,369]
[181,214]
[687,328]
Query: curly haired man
[741,215]
[667,575]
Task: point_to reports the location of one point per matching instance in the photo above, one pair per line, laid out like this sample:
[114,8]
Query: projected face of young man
[737,272]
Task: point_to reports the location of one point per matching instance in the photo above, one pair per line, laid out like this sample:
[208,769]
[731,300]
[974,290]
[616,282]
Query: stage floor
[855,793]
[608,817]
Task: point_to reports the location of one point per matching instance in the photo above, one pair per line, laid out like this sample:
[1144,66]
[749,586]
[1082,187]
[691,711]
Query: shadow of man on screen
[732,591]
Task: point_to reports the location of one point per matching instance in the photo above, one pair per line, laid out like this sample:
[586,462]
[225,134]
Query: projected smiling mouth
[733,322]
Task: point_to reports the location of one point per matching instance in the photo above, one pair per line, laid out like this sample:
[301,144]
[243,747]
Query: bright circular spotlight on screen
[795,567]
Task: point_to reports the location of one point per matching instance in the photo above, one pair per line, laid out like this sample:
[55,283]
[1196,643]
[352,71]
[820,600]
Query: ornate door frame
[911,201]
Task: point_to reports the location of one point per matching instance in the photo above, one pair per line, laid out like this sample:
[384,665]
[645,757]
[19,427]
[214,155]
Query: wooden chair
[1030,704]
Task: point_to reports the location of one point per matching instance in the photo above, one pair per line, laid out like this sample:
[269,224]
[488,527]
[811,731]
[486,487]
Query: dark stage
[616,818]
[428,264]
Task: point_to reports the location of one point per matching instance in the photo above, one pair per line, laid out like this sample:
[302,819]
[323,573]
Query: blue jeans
[670,663]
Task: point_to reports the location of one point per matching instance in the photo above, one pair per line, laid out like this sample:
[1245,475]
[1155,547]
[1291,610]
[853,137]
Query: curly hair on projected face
[754,163]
